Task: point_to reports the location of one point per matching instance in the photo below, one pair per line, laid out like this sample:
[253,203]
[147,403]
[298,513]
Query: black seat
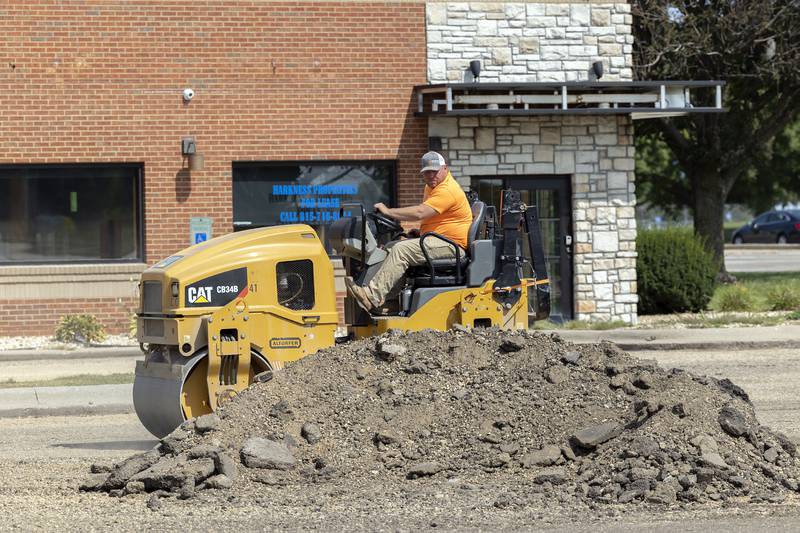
[448,271]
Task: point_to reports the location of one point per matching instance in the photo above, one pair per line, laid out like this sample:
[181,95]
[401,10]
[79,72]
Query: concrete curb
[114,409]
[55,401]
[80,353]
[699,346]
[746,247]
[719,339]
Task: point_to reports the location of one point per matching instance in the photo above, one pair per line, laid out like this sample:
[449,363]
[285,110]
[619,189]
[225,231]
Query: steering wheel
[385,224]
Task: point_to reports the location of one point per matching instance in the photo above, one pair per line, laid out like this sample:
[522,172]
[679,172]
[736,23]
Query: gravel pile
[572,426]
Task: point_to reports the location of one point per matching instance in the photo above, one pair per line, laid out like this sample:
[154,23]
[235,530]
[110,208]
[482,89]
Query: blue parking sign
[199,229]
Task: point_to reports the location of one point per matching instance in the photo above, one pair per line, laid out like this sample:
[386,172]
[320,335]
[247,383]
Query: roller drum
[157,391]
[165,393]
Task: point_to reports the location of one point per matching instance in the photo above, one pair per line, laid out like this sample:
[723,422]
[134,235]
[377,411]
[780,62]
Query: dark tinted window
[311,193]
[70,213]
[295,284]
[761,219]
[773,217]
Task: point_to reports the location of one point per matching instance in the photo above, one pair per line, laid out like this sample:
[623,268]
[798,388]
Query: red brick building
[92,116]
[297,108]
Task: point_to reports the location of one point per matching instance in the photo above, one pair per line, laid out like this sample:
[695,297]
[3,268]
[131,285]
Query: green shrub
[80,328]
[675,271]
[794,315]
[133,326]
[735,297]
[783,298]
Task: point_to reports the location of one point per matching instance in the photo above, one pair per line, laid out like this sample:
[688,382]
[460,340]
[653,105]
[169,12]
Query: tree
[752,45]
[774,177]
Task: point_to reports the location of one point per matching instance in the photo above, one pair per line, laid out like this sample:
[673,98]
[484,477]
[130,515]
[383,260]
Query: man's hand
[382,209]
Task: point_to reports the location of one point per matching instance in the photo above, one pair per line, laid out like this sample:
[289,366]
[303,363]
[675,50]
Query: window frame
[139,206]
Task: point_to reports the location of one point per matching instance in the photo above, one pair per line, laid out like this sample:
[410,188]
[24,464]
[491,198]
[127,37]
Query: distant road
[762,259]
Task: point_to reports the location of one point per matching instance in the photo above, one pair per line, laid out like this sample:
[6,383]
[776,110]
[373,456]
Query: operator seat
[443,272]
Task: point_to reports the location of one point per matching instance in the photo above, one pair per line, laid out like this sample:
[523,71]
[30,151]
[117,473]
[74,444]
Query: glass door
[551,195]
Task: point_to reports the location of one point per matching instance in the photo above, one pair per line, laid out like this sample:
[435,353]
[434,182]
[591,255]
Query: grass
[765,289]
[756,299]
[70,381]
[713,320]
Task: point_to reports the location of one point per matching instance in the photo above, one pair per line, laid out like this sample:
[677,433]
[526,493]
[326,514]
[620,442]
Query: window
[268,194]
[70,213]
[295,284]
[551,195]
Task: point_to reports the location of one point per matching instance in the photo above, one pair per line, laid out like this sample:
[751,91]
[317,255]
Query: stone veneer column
[536,42]
[597,152]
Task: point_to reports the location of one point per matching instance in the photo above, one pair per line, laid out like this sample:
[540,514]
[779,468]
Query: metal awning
[640,99]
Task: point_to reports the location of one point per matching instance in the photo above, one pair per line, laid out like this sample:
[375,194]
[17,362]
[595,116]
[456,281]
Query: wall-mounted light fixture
[475,69]
[189,151]
[597,68]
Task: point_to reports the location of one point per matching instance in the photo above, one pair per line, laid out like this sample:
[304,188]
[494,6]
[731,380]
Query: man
[444,210]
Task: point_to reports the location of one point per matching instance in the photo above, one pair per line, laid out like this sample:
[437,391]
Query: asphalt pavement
[678,345]
[762,258]
[731,338]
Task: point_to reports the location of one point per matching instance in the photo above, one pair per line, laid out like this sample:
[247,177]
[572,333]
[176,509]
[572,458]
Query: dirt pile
[586,425]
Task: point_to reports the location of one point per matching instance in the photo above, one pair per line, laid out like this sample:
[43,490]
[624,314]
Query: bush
[80,328]
[675,272]
[783,298]
[133,326]
[735,298]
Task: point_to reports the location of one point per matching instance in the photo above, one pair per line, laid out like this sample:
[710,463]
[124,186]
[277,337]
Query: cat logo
[199,295]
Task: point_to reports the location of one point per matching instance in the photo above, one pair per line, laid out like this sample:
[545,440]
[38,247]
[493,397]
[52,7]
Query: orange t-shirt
[454,215]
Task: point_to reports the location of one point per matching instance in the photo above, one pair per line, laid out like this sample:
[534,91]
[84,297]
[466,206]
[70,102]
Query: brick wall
[97,81]
[101,81]
[40,317]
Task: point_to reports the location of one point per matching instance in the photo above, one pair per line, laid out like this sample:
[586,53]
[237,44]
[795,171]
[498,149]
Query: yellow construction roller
[220,314]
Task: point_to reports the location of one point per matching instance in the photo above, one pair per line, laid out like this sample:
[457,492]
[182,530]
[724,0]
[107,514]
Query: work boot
[359,294]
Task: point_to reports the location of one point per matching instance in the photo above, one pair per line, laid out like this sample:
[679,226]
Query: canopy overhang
[639,99]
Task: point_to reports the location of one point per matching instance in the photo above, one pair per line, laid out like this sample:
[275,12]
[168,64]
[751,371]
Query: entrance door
[551,195]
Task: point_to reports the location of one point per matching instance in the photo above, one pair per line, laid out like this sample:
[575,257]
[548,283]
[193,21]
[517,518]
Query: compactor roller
[218,314]
[221,314]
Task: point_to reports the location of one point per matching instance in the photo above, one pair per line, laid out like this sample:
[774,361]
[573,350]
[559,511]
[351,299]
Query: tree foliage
[752,45]
[774,177]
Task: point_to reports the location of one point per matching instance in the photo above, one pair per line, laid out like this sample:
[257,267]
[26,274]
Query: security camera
[188,94]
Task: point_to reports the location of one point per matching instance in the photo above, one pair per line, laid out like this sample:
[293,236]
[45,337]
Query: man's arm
[415,213]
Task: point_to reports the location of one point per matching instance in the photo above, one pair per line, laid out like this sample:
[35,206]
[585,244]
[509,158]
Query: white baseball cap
[432,161]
